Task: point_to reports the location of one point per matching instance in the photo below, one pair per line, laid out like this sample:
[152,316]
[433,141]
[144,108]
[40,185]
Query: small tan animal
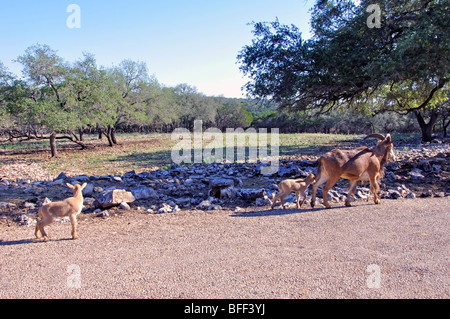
[69,207]
[299,186]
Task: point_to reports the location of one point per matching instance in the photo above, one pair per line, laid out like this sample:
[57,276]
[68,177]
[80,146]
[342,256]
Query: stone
[24,220]
[361,195]
[143,192]
[104,213]
[61,176]
[88,190]
[29,205]
[390,176]
[251,194]
[130,174]
[229,192]
[98,189]
[124,206]
[416,174]
[263,201]
[427,193]
[80,178]
[114,197]
[117,179]
[394,194]
[7,205]
[165,208]
[204,205]
[88,201]
[410,195]
[183,201]
[217,184]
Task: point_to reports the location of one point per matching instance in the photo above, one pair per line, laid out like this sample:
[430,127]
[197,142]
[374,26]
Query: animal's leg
[304,199]
[297,197]
[37,231]
[44,222]
[73,220]
[320,180]
[282,197]
[275,198]
[374,188]
[326,188]
[351,192]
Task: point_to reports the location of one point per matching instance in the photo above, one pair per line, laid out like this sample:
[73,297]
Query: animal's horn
[376,135]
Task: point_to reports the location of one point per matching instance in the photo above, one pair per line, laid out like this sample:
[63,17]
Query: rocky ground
[420,171]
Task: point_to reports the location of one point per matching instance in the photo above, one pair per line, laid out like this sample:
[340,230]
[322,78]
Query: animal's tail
[319,169]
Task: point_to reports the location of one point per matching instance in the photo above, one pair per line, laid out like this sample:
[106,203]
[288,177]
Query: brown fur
[69,207]
[299,186]
[360,164]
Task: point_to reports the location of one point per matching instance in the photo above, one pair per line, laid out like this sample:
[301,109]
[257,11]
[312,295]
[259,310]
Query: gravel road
[318,253]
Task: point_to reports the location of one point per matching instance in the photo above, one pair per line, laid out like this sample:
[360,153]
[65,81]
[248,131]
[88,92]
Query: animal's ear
[84,185]
[69,185]
[388,138]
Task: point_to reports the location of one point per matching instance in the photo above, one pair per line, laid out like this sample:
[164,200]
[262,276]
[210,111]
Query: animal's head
[76,188]
[311,178]
[384,146]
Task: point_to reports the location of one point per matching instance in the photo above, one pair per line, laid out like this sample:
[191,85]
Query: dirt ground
[310,253]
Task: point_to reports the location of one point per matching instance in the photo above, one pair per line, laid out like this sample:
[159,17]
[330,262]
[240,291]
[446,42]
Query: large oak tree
[401,63]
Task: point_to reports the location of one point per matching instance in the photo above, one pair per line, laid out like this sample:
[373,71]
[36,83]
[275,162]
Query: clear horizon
[194,42]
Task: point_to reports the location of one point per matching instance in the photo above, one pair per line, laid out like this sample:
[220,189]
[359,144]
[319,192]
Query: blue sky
[194,42]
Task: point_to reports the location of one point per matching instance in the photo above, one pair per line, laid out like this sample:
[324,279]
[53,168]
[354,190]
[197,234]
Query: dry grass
[31,160]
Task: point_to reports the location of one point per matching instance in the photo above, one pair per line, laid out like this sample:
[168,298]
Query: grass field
[146,152]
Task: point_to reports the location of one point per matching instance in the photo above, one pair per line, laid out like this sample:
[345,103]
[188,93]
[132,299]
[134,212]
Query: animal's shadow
[28,241]
[289,211]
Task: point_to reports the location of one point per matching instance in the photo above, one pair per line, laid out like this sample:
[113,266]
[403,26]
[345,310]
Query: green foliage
[57,96]
[348,64]
[233,114]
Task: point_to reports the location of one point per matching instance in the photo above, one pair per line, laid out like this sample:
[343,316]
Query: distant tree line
[55,99]
[267,114]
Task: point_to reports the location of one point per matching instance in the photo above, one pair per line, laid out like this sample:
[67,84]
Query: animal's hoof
[45,239]
[327,206]
[75,237]
[377,201]
[348,204]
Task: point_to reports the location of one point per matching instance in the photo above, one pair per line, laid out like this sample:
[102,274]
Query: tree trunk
[53,145]
[108,136]
[444,126]
[113,135]
[426,128]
